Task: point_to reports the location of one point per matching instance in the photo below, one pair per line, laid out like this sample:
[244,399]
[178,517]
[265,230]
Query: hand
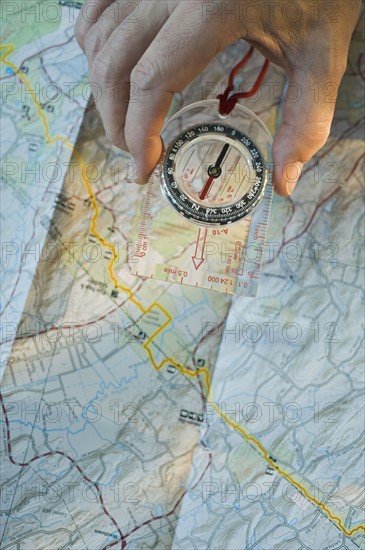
[158,47]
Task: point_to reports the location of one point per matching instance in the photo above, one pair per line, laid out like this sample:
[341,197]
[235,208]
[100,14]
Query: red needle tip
[204,192]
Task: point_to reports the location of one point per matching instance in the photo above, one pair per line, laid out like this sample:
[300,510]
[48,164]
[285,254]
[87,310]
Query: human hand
[158,47]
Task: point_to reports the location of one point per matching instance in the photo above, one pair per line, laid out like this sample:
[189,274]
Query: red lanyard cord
[227,102]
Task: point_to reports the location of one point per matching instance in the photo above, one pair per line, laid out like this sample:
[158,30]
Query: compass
[213,174]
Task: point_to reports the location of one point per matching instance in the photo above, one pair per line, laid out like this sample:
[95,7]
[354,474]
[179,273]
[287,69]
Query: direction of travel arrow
[198,257]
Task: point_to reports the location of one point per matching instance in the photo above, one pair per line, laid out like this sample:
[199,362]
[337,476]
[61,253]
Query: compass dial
[213,174]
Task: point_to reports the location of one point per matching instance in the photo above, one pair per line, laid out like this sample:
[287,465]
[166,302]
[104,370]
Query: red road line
[80,325]
[344,133]
[175,506]
[40,52]
[321,203]
[74,463]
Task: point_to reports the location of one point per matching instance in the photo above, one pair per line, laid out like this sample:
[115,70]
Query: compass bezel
[212,215]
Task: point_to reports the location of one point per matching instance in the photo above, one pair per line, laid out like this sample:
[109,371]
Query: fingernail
[292,173]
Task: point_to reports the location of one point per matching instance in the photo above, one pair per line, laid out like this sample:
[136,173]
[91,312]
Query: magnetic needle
[213,173]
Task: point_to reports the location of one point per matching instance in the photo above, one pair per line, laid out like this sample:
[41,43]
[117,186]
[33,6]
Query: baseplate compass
[207,204]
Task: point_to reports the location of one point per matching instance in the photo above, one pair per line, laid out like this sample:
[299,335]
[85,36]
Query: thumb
[308,113]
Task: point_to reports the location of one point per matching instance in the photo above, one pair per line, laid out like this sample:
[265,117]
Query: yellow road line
[9,48]
[287,476]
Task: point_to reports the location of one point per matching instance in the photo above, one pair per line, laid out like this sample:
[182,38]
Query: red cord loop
[226,102]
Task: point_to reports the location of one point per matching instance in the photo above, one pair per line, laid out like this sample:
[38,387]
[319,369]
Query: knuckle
[146,74]
[93,41]
[102,70]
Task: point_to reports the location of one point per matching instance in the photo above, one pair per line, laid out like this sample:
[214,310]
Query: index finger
[178,54]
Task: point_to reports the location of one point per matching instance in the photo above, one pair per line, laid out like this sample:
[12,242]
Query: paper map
[143,415]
